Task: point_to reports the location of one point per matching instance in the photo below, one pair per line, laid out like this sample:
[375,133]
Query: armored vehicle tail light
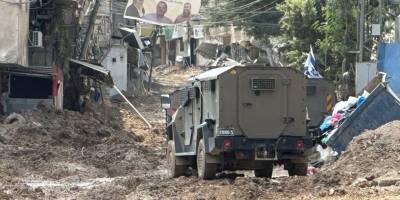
[227,143]
[300,145]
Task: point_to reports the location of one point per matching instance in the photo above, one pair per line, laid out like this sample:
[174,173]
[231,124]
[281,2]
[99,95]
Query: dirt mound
[371,160]
[54,152]
[372,155]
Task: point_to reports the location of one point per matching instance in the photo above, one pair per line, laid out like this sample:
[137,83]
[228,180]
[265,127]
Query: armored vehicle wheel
[299,169]
[174,170]
[204,170]
[266,172]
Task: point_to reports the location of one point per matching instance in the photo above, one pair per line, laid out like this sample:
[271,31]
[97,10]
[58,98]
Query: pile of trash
[331,125]
[341,112]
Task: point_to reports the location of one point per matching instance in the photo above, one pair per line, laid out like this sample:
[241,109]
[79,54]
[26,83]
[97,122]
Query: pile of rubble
[370,162]
[371,159]
[70,154]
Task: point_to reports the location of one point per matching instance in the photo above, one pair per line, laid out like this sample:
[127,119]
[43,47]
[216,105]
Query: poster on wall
[164,12]
[198,31]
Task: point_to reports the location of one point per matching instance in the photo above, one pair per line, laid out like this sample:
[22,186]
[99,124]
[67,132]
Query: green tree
[297,26]
[339,30]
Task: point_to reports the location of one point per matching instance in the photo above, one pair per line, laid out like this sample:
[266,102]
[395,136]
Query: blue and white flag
[309,69]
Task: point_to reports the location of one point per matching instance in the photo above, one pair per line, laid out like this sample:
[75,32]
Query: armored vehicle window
[213,86]
[192,92]
[311,90]
[206,87]
[184,97]
[197,92]
[209,86]
[262,84]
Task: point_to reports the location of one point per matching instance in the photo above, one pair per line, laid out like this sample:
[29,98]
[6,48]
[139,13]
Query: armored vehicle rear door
[271,102]
[262,99]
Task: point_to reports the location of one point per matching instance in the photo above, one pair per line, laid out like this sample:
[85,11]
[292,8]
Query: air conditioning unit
[36,39]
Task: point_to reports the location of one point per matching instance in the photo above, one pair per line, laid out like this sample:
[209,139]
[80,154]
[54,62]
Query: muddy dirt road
[109,153]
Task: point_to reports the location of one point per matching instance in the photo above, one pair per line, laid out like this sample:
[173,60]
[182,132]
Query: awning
[132,37]
[96,72]
[12,67]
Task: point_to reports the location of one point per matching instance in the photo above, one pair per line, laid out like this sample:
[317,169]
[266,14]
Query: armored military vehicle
[320,100]
[238,118]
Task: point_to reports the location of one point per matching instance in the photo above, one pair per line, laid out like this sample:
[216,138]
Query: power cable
[237,9]
[261,12]
[247,16]
[249,12]
[240,7]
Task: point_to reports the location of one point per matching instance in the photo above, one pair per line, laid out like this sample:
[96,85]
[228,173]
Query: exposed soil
[109,153]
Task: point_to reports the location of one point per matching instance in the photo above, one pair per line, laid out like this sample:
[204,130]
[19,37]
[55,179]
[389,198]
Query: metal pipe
[132,106]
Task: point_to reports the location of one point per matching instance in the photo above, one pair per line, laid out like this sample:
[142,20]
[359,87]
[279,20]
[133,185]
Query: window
[311,90]
[263,84]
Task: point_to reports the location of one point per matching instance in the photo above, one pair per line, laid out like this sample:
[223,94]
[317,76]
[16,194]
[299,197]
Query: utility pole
[361,29]
[153,51]
[370,18]
[380,20]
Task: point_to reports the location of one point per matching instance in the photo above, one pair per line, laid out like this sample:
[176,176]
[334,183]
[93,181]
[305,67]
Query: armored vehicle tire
[299,169]
[174,170]
[204,170]
[266,172]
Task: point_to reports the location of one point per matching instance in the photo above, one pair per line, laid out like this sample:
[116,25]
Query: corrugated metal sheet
[30,70]
[91,66]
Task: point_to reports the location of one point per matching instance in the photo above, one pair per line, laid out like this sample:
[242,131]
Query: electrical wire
[253,11]
[249,12]
[237,9]
[240,7]
[239,19]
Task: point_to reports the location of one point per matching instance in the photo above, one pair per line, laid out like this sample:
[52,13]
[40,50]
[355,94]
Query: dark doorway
[30,86]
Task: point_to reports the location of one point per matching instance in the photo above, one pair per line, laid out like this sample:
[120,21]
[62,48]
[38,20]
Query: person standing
[159,16]
[186,14]
[135,9]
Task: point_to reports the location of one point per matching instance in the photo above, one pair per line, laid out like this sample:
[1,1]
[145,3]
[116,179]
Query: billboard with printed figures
[164,12]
